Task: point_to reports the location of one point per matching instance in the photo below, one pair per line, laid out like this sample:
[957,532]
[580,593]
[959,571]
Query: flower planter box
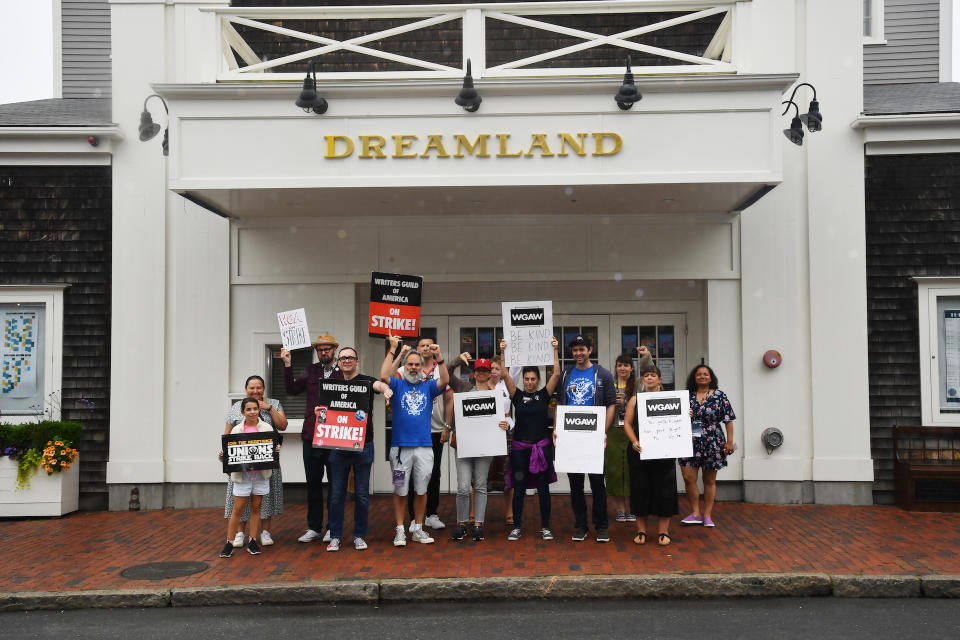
[52,495]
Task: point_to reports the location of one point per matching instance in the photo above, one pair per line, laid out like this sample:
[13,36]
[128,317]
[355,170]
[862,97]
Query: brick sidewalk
[89,550]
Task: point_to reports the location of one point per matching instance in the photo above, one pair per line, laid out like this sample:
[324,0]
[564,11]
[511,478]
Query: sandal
[664,539]
[640,538]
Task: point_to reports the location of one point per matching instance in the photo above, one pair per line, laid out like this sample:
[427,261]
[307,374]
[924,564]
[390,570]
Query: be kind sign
[528,330]
[663,425]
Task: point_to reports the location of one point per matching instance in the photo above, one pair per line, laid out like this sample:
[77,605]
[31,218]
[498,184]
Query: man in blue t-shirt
[588,384]
[411,451]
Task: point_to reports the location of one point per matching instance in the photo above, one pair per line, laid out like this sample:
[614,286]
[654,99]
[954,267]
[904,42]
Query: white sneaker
[400,539]
[413,525]
[434,522]
[309,536]
[238,540]
[421,536]
[326,535]
[360,544]
[334,544]
[265,539]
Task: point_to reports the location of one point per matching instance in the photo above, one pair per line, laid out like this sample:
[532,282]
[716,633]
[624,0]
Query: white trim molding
[929,293]
[910,133]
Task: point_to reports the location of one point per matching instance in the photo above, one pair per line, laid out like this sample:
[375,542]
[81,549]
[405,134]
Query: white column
[139,181]
[726,359]
[835,194]
[197,340]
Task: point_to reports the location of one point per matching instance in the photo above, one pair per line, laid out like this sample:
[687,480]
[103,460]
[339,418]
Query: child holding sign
[248,484]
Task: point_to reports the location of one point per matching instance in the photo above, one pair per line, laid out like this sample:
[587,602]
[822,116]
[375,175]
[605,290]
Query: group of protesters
[419,384]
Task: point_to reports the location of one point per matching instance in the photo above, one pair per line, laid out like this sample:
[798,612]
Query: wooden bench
[927,468]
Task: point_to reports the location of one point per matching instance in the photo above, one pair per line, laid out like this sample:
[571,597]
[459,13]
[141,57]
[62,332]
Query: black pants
[579,500]
[433,489]
[314,465]
[520,464]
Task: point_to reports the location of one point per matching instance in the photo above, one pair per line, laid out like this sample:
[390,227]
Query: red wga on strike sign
[340,429]
[395,319]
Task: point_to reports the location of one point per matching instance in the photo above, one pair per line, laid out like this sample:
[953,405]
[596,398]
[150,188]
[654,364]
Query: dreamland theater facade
[687,222]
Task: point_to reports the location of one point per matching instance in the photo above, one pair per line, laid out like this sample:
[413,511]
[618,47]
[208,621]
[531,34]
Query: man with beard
[314,460]
[411,451]
[439,419]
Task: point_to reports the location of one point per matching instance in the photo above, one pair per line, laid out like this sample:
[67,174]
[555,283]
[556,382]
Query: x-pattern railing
[716,57]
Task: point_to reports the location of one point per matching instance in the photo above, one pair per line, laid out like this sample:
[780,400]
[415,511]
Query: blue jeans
[340,464]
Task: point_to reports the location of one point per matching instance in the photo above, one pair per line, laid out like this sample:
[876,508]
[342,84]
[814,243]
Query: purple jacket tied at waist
[538,461]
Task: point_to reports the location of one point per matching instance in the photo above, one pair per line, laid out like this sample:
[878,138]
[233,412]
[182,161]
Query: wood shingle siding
[55,227]
[913,229]
[912,52]
[85,28]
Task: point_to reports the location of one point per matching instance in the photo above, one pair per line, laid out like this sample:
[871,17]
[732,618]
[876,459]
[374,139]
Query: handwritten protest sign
[528,330]
[250,451]
[394,305]
[343,408]
[663,425]
[478,415]
[293,329]
[580,435]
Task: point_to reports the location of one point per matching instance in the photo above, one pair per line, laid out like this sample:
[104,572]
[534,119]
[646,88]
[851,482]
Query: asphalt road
[761,619]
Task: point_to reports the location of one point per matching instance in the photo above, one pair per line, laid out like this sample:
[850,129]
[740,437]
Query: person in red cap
[473,471]
[314,460]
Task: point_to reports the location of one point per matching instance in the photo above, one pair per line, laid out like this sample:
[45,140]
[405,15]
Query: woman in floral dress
[709,409]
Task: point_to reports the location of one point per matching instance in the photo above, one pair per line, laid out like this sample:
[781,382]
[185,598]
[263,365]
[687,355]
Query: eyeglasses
[347,358]
[324,348]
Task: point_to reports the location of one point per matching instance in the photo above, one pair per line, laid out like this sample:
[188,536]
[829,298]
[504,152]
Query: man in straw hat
[314,460]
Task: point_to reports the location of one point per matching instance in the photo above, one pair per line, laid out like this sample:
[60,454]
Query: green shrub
[36,435]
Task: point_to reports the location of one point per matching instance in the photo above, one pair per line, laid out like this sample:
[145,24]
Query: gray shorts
[418,463]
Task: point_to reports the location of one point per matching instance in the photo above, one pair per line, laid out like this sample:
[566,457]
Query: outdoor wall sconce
[468,98]
[628,94]
[309,100]
[813,119]
[771,438]
[149,129]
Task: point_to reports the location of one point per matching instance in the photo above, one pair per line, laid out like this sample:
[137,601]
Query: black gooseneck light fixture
[148,129]
[309,100]
[795,132]
[627,95]
[812,119]
[468,98]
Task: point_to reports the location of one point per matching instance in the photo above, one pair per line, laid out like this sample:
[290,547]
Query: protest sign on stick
[250,451]
[478,415]
[394,305]
[343,408]
[663,425]
[293,329]
[528,330]
[580,435]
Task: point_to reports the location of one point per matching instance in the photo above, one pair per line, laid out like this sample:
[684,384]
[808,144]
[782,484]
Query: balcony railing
[524,39]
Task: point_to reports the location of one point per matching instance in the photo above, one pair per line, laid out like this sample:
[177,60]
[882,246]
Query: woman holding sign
[653,483]
[532,449]
[272,504]
[709,408]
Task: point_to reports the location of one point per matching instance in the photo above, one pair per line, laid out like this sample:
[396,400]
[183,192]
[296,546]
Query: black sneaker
[603,535]
[227,550]
[253,547]
[580,534]
[459,532]
[477,534]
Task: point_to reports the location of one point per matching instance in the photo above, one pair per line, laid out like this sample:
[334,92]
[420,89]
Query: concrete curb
[940,586]
[737,585]
[95,599]
[364,592]
[599,587]
[860,586]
